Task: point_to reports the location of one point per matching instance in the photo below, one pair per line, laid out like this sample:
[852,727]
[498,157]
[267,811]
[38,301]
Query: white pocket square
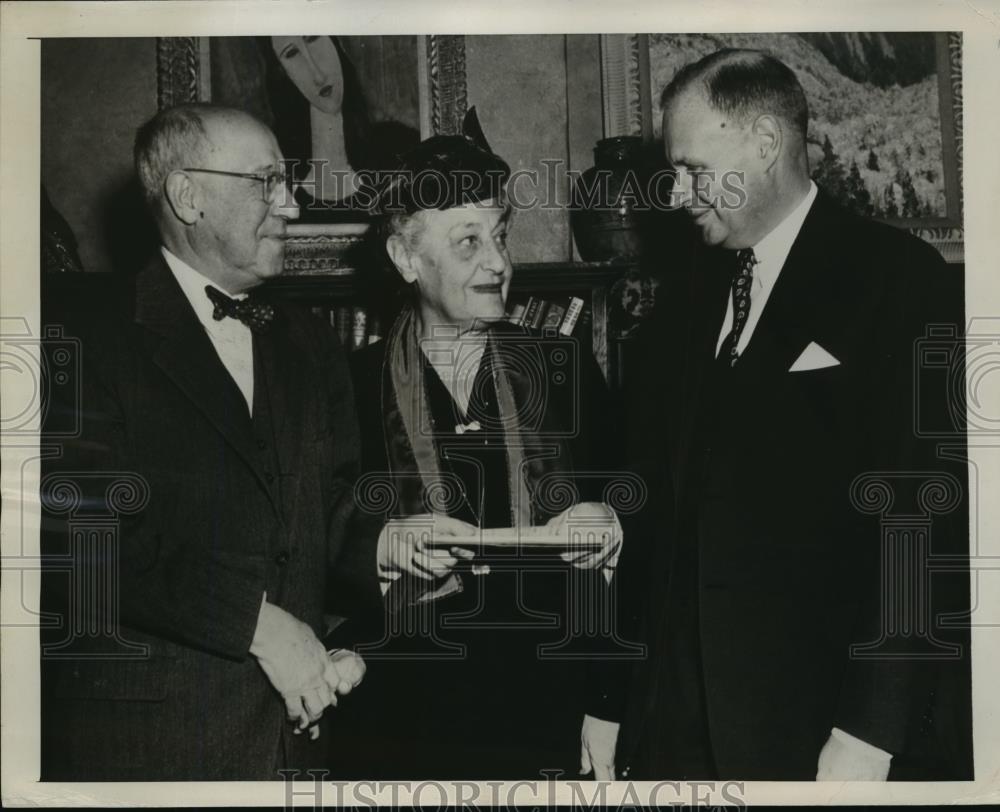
[813,357]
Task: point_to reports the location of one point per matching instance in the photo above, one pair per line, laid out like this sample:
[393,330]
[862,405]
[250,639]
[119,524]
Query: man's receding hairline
[228,118]
[698,93]
[231,123]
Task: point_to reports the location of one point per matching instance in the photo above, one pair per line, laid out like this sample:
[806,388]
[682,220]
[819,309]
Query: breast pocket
[812,383]
[816,407]
[832,376]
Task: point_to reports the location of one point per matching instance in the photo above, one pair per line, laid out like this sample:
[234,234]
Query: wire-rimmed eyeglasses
[271,181]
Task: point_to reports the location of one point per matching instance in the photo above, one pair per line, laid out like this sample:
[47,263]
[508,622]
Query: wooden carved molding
[949,237]
[311,251]
[950,242]
[449,95]
[178,71]
[955,79]
[621,84]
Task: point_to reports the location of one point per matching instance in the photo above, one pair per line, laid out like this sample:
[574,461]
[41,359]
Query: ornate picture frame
[627,93]
[183,69]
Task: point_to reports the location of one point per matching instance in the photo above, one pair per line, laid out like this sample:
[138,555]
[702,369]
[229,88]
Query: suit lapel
[181,348]
[285,384]
[711,286]
[802,306]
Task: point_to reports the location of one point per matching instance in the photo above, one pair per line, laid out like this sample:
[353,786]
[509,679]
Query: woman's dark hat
[442,172]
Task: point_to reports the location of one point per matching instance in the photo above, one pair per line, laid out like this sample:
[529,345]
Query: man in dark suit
[779,376]
[226,428]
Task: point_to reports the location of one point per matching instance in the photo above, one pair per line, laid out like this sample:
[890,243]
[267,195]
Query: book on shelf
[374,330]
[355,326]
[530,306]
[573,310]
[554,314]
[561,314]
[534,312]
[359,327]
[516,313]
[343,318]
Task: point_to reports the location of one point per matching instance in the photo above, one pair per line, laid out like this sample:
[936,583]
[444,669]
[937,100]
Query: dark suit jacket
[789,568]
[232,511]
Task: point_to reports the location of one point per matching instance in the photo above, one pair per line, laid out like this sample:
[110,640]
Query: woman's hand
[587,518]
[405,545]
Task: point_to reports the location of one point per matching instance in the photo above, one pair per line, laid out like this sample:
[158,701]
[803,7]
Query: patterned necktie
[741,305]
[253,314]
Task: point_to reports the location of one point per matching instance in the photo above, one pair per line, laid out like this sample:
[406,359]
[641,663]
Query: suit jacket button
[268,477]
[282,558]
[262,444]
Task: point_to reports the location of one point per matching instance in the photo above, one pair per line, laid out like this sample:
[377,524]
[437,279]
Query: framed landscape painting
[885,128]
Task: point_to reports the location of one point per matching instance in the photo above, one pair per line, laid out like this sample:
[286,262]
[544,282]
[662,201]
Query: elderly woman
[477,431]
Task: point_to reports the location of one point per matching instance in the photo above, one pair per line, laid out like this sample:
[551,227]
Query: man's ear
[401,256]
[182,197]
[767,139]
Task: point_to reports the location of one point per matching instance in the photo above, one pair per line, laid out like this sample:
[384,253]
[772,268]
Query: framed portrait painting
[339,106]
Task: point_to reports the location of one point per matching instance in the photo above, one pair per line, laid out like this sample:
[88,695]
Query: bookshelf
[65,293]
[588,280]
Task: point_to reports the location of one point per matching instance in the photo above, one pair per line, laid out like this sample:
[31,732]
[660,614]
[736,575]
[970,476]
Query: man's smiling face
[703,145]
[245,232]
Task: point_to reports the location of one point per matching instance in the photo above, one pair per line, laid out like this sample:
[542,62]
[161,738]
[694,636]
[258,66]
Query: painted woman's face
[313,65]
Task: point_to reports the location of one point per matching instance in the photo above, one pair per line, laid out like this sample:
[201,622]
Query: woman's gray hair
[408,226]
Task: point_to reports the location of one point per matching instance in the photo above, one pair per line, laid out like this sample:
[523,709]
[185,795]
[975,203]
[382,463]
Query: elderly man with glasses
[236,419]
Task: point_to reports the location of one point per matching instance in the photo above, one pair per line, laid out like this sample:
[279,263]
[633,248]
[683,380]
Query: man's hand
[590,517]
[404,545]
[297,665]
[844,758]
[345,670]
[598,740]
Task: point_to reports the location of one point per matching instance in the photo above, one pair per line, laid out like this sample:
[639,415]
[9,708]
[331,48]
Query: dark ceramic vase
[605,197]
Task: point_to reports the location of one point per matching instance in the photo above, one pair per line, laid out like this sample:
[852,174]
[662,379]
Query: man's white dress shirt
[232,339]
[771,253]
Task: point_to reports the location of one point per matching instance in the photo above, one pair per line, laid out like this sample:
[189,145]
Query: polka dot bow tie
[253,314]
